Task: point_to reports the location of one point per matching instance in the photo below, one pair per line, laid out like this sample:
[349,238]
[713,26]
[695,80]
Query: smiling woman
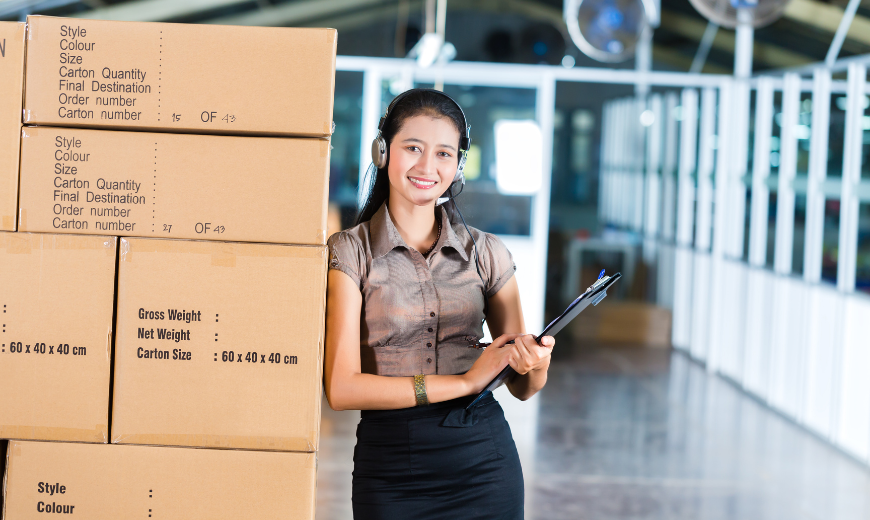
[422,165]
[408,291]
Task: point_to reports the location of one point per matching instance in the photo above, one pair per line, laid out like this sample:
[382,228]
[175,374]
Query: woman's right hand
[493,360]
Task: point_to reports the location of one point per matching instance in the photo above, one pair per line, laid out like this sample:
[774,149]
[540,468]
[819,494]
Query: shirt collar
[448,236]
[385,236]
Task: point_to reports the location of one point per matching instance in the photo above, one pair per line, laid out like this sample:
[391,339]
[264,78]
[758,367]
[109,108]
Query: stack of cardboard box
[11,92]
[163,267]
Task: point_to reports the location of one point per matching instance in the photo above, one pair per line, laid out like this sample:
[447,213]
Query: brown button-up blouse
[419,314]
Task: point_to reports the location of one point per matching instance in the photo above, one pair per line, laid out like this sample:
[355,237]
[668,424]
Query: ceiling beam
[22,8]
[301,12]
[156,10]
[693,28]
[675,58]
[827,18]
[355,20]
[296,13]
[528,8]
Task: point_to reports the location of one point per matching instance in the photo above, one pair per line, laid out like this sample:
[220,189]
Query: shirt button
[430,329]
[432,314]
[429,345]
[428,360]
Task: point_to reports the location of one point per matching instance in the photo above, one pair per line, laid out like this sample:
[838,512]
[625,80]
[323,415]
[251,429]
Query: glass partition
[836,136]
[830,240]
[747,179]
[865,139]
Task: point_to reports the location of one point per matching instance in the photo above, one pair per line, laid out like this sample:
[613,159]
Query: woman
[408,290]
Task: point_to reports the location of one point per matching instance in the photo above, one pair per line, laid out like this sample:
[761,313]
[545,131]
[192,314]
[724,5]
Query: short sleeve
[346,255]
[499,264]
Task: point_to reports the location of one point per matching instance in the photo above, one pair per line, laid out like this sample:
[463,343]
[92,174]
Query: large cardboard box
[56,303]
[180,77]
[219,344]
[624,322]
[11,85]
[112,482]
[3,450]
[252,189]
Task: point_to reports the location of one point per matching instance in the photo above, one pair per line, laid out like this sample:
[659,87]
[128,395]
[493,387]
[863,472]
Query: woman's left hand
[528,355]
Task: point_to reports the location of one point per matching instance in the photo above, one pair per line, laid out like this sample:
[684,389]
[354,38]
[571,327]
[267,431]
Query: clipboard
[592,296]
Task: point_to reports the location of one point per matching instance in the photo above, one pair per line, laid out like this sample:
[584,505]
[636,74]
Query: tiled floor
[631,433]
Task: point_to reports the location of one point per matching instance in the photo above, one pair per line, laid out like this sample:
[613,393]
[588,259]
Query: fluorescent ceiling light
[518,157]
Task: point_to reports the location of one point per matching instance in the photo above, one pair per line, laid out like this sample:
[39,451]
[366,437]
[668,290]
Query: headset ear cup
[379,152]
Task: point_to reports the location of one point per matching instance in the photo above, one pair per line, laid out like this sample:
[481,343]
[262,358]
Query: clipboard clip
[600,281]
[598,298]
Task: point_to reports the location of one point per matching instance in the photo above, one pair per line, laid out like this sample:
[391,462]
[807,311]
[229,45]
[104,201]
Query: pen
[482,346]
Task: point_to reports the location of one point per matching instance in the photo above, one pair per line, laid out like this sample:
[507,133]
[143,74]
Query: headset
[380,160]
[379,145]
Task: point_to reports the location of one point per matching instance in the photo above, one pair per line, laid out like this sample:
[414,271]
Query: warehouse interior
[718,157]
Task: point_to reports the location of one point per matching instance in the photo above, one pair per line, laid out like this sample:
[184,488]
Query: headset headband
[464,139]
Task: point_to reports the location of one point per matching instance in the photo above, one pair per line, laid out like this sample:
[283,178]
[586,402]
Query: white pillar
[720,227]
[818,168]
[637,132]
[669,168]
[783,252]
[760,172]
[643,59]
[738,151]
[743,44]
[604,165]
[847,255]
[688,155]
[653,168]
[704,216]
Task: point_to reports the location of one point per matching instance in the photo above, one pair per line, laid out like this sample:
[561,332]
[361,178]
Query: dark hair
[414,103]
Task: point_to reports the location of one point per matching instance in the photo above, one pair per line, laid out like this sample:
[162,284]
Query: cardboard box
[3,451]
[110,482]
[56,303]
[624,322]
[180,77]
[11,85]
[219,345]
[252,189]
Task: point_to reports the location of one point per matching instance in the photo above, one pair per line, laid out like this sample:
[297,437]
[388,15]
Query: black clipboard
[593,295]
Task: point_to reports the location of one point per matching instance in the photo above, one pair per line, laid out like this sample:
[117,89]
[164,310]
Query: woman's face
[423,159]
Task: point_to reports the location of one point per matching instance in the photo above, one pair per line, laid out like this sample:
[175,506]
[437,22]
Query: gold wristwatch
[420,390]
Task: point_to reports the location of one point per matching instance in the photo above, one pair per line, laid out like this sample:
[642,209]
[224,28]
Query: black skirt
[421,463]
